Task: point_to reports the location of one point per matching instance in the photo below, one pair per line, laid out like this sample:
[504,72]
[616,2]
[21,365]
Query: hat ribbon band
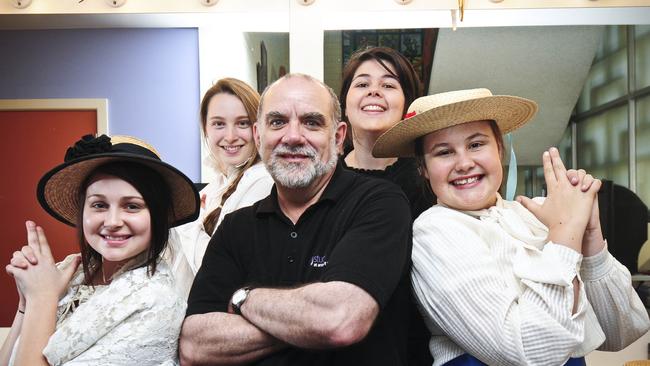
[134,149]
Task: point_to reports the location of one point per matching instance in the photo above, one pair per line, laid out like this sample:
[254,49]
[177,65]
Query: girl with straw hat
[501,282]
[115,303]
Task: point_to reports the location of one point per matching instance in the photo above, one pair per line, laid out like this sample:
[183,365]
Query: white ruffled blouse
[489,283]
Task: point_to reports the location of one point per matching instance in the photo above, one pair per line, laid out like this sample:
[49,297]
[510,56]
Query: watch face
[239,296]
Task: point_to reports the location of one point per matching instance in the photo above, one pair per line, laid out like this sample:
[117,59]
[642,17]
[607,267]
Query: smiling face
[116,219]
[296,133]
[463,165]
[229,131]
[375,100]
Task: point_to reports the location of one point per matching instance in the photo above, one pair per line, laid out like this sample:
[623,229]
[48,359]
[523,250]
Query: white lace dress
[136,320]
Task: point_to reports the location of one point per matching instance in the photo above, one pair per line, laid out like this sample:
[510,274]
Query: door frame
[99,105]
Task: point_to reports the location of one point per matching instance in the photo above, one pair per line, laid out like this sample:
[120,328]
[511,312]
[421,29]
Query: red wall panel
[32,142]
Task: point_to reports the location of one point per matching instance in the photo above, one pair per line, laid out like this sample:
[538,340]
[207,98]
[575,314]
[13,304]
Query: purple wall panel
[149,76]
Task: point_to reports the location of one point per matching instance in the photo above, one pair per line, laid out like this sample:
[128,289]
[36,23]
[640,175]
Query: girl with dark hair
[379,83]
[228,111]
[115,303]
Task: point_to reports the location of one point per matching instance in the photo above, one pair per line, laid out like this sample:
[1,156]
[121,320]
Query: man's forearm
[223,339]
[318,315]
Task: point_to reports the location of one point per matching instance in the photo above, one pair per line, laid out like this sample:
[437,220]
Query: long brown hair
[251,100]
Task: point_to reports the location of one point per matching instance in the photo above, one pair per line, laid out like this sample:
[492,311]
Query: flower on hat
[88,145]
[410,114]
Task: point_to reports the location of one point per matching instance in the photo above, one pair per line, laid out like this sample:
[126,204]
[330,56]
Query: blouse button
[293,234]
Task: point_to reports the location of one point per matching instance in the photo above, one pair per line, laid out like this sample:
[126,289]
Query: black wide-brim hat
[58,190]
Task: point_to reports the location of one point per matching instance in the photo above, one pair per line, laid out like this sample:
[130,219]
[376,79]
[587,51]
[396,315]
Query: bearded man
[317,272]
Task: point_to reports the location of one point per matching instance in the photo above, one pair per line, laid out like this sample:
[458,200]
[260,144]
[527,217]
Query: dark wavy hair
[404,72]
[156,195]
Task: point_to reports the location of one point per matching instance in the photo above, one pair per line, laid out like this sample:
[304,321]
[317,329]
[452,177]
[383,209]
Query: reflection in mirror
[551,65]
[416,44]
[257,58]
[269,55]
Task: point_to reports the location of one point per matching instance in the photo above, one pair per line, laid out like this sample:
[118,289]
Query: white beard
[295,175]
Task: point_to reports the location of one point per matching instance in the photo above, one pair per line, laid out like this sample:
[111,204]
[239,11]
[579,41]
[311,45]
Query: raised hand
[567,209]
[44,279]
[592,241]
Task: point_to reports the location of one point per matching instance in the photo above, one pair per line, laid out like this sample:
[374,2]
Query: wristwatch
[238,299]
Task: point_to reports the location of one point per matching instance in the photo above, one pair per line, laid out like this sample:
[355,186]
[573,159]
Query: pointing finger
[558,165]
[549,174]
[45,247]
[32,237]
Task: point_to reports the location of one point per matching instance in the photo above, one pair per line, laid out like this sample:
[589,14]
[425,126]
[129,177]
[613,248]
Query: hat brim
[509,113]
[58,189]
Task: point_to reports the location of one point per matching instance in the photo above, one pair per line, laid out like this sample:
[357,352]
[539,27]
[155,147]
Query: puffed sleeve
[466,292]
[620,312]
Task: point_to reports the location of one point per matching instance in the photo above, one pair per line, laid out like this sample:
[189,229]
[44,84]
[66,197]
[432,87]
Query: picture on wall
[407,41]
[262,70]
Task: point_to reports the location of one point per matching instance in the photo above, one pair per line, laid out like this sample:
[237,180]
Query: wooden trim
[430,41]
[98,105]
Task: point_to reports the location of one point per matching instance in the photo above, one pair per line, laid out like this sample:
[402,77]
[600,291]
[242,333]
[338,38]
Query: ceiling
[546,64]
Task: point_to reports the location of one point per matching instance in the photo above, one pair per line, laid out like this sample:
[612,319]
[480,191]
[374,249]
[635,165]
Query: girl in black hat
[114,303]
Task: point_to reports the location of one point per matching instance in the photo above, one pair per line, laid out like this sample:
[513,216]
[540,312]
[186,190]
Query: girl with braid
[228,111]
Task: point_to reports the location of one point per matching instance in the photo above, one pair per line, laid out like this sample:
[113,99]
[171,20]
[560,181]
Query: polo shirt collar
[336,187]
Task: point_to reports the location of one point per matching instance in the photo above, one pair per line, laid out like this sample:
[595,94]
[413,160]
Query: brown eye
[244,123]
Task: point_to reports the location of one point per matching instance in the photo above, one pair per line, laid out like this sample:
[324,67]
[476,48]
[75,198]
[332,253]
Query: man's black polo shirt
[358,232]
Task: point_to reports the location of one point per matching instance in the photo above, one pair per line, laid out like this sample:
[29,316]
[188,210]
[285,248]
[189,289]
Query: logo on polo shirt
[318,261]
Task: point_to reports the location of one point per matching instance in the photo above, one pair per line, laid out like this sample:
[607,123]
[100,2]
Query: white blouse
[135,320]
[192,240]
[490,284]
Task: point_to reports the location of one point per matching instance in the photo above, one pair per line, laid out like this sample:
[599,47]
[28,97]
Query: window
[602,143]
[643,149]
[607,78]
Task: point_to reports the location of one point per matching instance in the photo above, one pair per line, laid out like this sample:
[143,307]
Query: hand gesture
[568,208]
[42,280]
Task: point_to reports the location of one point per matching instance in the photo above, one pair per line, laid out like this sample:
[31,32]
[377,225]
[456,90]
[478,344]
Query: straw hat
[58,189]
[435,112]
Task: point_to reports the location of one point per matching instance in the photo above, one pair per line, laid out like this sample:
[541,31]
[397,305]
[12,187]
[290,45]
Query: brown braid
[210,221]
